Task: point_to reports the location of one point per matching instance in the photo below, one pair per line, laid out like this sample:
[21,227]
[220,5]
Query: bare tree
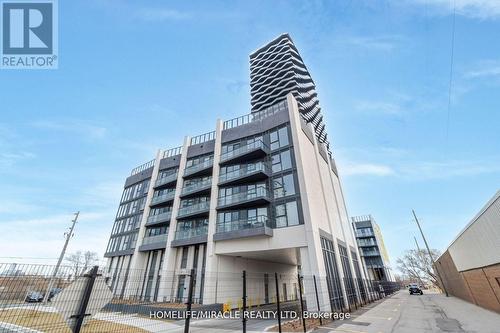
[80,262]
[417,265]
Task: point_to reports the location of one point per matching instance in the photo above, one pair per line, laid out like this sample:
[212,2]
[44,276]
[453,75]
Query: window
[156,231]
[286,214]
[161,210]
[184,257]
[283,186]
[281,161]
[279,138]
[194,201]
[229,147]
[198,160]
[167,172]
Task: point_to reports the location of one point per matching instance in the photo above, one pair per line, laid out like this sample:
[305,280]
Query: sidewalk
[430,312]
[472,318]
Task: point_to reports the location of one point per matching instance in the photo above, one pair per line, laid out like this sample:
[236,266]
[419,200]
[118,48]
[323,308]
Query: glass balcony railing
[366,242]
[245,171]
[163,198]
[191,233]
[249,223]
[155,239]
[163,217]
[370,253]
[364,233]
[250,195]
[251,147]
[198,186]
[198,167]
[194,209]
[166,180]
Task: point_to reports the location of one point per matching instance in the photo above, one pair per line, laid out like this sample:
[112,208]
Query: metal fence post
[278,301]
[82,309]
[301,303]
[317,299]
[189,301]
[244,320]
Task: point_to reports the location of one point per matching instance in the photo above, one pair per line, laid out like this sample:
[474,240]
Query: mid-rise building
[259,193]
[372,248]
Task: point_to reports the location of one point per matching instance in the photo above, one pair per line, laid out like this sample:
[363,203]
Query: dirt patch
[296,325]
[54,323]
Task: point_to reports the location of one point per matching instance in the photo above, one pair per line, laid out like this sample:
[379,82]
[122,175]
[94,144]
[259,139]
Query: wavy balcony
[154,242]
[249,151]
[160,199]
[190,236]
[167,180]
[250,227]
[246,173]
[199,169]
[197,188]
[159,219]
[253,197]
[198,209]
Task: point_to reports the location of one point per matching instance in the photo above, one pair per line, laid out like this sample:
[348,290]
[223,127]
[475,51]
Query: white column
[211,271]
[169,259]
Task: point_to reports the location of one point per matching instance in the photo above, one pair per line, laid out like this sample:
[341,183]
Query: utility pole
[61,257]
[418,254]
[429,251]
[416,243]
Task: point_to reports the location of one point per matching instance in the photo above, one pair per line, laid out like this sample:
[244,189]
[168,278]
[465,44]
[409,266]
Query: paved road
[430,312]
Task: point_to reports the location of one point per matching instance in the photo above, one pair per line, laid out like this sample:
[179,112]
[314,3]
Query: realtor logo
[29,34]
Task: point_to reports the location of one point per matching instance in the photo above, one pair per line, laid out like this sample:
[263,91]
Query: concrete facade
[260,193]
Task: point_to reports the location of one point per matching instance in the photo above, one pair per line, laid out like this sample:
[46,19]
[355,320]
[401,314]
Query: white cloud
[78,127]
[162,14]
[485,69]
[47,235]
[478,9]
[374,43]
[379,107]
[370,169]
[8,159]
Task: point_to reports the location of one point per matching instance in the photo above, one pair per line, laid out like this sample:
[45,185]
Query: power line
[451,71]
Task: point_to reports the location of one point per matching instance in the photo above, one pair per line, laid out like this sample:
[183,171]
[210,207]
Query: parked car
[415,289]
[34,297]
[54,292]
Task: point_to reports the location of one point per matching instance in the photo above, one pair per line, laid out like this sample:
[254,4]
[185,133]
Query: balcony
[158,219]
[198,209]
[154,242]
[252,197]
[199,169]
[197,188]
[169,196]
[366,242]
[362,233]
[249,151]
[166,180]
[246,173]
[250,227]
[190,236]
[372,253]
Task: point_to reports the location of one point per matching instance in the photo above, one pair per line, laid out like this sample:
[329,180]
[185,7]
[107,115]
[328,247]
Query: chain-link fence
[93,300]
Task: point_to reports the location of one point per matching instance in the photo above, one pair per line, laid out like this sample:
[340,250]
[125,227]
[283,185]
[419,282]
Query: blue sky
[137,76]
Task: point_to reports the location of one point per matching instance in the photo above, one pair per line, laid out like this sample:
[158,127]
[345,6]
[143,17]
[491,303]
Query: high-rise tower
[277,69]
